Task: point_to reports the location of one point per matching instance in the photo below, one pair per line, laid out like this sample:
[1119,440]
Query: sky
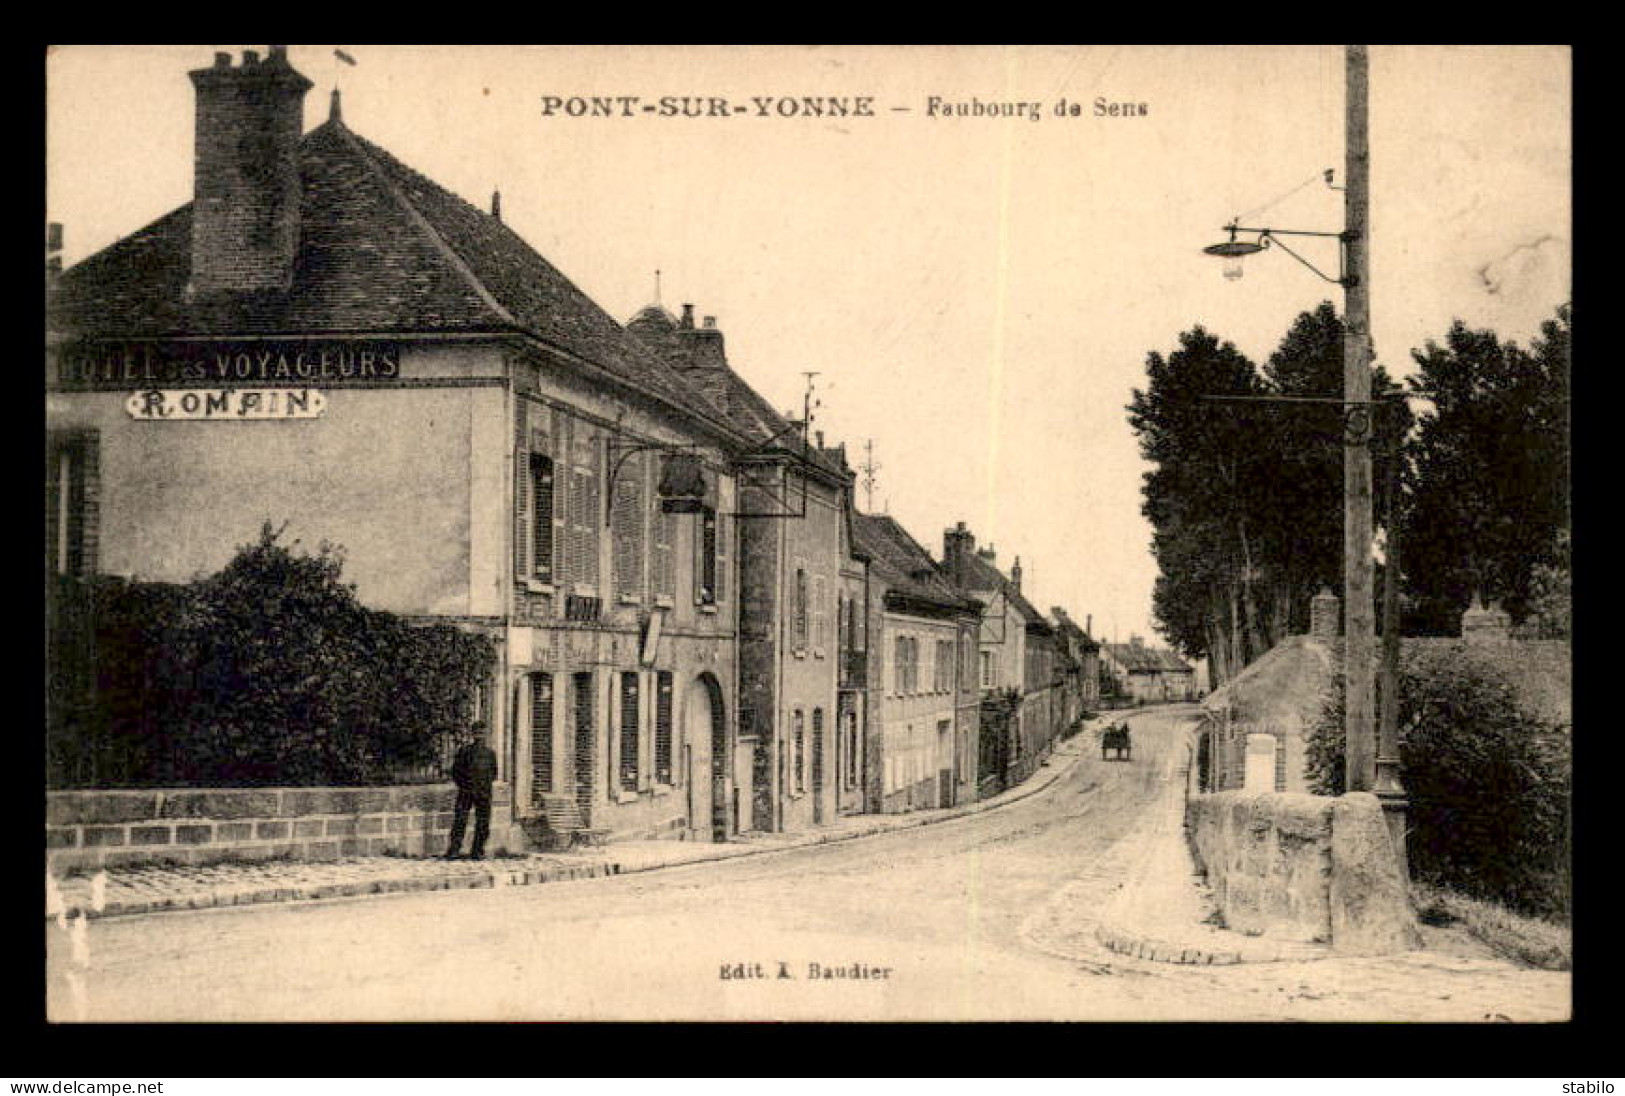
[977,293]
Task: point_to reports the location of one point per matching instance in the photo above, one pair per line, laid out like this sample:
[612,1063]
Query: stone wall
[1304,867]
[90,829]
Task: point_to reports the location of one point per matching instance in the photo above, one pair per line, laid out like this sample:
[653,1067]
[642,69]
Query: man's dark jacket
[474,768]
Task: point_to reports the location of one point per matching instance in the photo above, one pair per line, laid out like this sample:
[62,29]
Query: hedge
[1488,783]
[267,673]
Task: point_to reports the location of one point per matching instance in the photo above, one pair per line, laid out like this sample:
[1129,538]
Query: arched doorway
[711,797]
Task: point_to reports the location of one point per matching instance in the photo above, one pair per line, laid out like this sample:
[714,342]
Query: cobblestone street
[994,915]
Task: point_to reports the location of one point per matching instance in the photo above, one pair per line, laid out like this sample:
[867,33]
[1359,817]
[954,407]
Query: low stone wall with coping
[95,829]
[1304,867]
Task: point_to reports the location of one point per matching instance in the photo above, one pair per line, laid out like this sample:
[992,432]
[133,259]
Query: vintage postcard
[875,533]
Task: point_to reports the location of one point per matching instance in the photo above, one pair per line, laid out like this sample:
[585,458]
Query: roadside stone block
[63,837]
[322,850]
[234,831]
[272,831]
[99,808]
[193,835]
[369,825]
[341,827]
[219,804]
[149,835]
[1369,898]
[309,827]
[102,836]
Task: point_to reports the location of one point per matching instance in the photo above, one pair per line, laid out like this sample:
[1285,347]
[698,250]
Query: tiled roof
[1137,658]
[382,249]
[902,565]
[985,576]
[705,367]
[1069,627]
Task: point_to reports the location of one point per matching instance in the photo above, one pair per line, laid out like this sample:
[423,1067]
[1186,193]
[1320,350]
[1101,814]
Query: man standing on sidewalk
[473,771]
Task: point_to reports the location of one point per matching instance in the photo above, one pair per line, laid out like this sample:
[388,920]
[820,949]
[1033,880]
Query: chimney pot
[279,54]
[818,434]
[250,58]
[710,322]
[496,204]
[688,316]
[222,60]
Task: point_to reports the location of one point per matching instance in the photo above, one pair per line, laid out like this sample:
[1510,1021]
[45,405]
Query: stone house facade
[795,570]
[924,702]
[326,338]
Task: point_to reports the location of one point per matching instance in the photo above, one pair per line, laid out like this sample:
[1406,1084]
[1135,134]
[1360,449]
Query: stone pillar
[1259,775]
[1324,616]
[1485,623]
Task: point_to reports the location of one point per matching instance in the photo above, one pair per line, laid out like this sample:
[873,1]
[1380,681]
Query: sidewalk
[143,890]
[1164,911]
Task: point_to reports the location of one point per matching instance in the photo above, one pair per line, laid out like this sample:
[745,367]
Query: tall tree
[1204,464]
[1301,536]
[1491,471]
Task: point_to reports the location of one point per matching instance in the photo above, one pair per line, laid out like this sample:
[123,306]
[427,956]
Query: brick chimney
[1325,616]
[245,213]
[1015,574]
[958,545]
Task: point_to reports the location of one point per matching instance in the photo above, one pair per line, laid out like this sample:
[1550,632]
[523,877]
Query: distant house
[1082,662]
[1150,675]
[924,703]
[1016,664]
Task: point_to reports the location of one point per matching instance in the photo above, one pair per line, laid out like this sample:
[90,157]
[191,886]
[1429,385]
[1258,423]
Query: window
[541,733]
[72,502]
[800,618]
[906,674]
[799,760]
[705,567]
[988,679]
[629,732]
[541,516]
[627,516]
[663,727]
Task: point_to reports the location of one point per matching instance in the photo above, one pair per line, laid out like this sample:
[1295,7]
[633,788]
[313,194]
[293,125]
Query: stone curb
[1118,937]
[305,892]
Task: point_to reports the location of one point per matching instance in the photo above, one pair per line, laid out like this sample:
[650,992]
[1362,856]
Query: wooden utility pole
[1360,755]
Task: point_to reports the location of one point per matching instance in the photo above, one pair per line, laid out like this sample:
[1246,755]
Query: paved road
[986,917]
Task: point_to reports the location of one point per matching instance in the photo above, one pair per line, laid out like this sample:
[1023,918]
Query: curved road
[986,917]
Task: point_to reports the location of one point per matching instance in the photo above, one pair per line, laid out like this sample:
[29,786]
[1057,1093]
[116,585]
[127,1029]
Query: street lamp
[1371,766]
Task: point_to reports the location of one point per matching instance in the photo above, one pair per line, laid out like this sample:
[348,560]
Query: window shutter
[629,732]
[584,504]
[819,618]
[626,527]
[522,500]
[541,733]
[720,568]
[664,579]
[663,727]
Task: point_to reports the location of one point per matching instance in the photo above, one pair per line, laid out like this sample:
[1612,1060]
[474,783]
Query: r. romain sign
[228,404]
[147,364]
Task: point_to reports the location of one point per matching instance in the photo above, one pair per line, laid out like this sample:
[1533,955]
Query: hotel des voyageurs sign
[225,380]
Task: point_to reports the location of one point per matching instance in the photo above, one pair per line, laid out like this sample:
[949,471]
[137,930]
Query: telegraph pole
[1360,750]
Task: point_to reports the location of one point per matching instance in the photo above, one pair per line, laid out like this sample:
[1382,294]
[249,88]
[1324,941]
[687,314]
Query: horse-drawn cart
[1117,737]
